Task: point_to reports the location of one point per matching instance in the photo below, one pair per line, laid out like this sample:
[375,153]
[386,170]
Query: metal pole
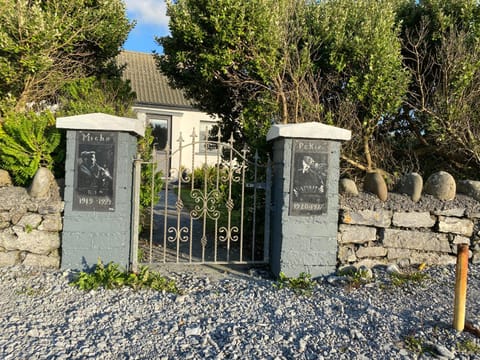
[152,200]
[136,214]
[460,287]
[268,202]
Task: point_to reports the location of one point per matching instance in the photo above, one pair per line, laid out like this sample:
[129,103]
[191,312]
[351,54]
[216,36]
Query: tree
[45,44]
[441,118]
[222,53]
[259,61]
[362,53]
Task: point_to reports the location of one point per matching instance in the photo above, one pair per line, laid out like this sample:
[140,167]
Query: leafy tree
[56,53]
[228,56]
[440,117]
[45,44]
[361,52]
[255,62]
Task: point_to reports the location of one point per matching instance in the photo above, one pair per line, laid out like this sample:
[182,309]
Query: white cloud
[148,11]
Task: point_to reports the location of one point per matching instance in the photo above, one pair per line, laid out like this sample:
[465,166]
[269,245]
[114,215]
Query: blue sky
[151,21]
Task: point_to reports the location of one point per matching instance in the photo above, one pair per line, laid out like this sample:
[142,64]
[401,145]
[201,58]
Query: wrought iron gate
[216,213]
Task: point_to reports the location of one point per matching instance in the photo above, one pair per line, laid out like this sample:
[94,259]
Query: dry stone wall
[30,226]
[390,234]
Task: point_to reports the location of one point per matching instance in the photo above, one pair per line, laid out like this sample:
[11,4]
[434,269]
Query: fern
[27,142]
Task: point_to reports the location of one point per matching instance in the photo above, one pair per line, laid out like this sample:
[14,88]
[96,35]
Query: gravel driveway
[239,315]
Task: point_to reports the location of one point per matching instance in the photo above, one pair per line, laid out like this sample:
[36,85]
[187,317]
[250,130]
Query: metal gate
[217,213]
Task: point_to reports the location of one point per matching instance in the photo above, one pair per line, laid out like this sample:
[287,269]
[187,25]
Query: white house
[170,114]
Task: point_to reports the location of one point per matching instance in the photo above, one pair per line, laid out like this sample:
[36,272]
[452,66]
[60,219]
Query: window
[208,137]
[160,131]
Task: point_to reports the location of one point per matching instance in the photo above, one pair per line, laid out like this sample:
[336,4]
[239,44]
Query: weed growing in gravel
[302,285]
[417,345]
[28,291]
[468,346]
[356,277]
[111,277]
[400,279]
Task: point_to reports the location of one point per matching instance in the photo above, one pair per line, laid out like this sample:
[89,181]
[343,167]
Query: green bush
[28,141]
[97,94]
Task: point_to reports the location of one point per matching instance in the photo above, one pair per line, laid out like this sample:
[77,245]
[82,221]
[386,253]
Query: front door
[161,132]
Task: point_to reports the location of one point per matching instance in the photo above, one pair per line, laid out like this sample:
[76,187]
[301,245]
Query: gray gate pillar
[304,216]
[98,189]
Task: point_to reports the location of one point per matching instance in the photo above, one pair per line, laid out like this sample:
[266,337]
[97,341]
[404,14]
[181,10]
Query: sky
[152,21]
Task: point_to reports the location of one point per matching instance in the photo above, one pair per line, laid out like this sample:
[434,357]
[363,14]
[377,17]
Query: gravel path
[234,316]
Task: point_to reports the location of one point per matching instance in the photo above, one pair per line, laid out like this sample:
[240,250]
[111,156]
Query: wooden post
[460,287]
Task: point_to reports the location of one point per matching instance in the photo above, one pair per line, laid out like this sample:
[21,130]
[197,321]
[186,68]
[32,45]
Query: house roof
[149,84]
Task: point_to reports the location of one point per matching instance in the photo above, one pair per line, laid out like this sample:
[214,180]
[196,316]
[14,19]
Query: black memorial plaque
[308,185]
[95,167]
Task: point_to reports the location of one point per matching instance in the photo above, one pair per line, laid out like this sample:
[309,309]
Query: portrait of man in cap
[93,178]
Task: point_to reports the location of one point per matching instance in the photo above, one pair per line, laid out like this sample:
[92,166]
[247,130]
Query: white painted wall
[183,124]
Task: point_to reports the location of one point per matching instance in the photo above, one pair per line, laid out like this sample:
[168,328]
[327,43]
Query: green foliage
[206,178]
[27,142]
[149,176]
[401,279]
[111,277]
[301,285]
[91,95]
[44,44]
[440,117]
[356,277]
[417,345]
[55,52]
[236,50]
[403,75]
[468,346]
[287,61]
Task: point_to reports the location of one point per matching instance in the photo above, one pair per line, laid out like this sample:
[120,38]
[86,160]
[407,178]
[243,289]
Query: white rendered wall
[183,123]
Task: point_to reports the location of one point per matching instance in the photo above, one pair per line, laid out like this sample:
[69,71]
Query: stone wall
[370,237]
[30,227]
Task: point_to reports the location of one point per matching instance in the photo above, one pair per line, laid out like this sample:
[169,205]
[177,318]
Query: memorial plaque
[308,185]
[95,166]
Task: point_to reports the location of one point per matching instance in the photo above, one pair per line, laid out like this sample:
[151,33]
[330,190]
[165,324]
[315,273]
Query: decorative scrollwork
[206,204]
[179,234]
[232,173]
[231,234]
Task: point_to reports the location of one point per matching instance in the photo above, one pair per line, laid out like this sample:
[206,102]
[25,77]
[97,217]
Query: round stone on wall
[5,179]
[375,184]
[41,184]
[412,185]
[470,188]
[348,187]
[441,185]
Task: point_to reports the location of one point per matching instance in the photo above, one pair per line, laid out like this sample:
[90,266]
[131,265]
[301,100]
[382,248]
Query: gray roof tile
[150,85]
